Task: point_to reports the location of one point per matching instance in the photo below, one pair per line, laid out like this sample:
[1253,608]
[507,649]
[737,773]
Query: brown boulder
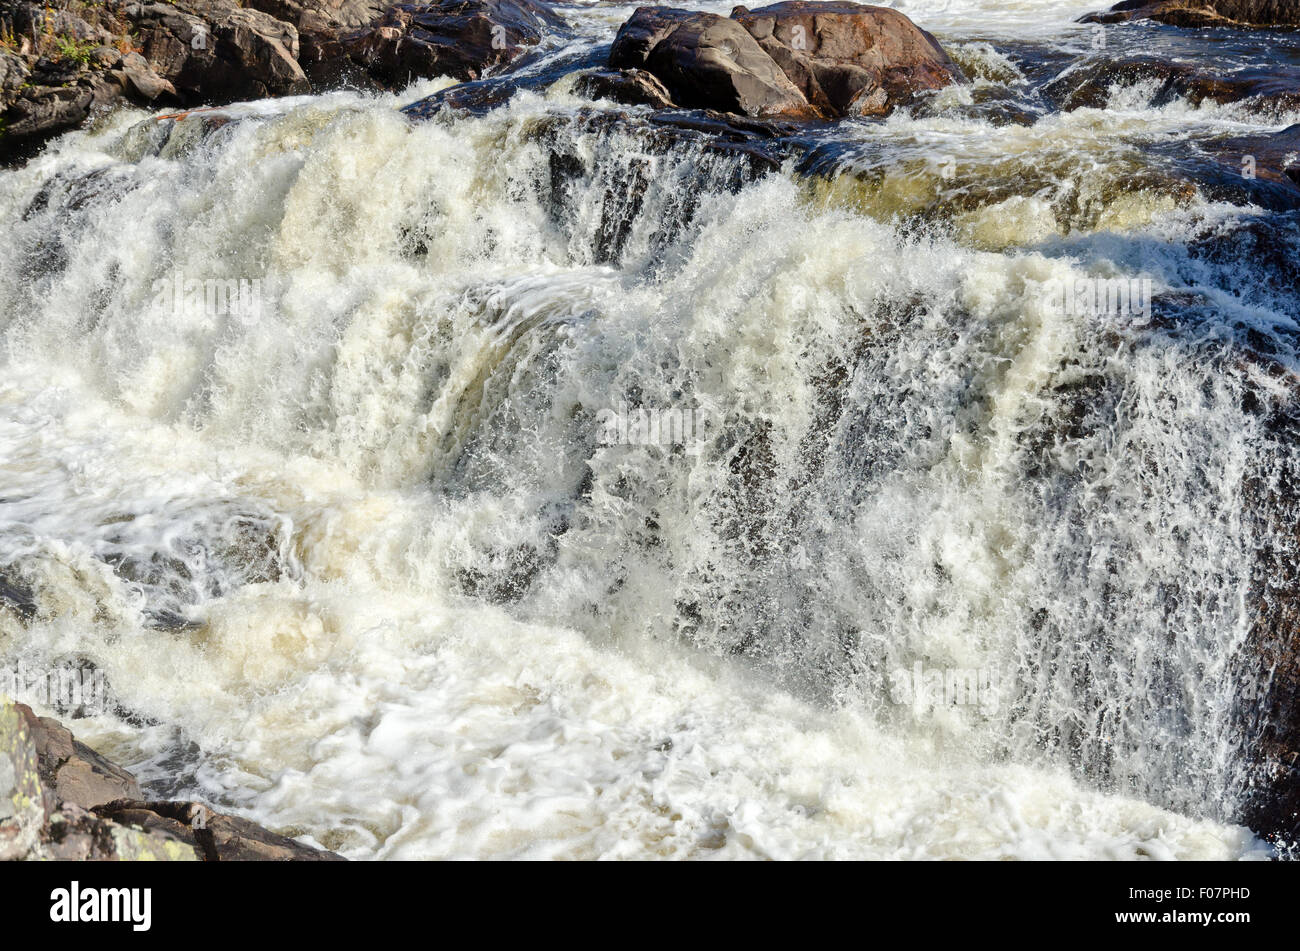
[71,770]
[710,62]
[61,800]
[1201,13]
[142,83]
[1272,157]
[631,87]
[321,25]
[849,58]
[213,51]
[795,59]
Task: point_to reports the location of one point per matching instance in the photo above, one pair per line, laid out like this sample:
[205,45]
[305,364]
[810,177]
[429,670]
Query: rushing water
[376,555]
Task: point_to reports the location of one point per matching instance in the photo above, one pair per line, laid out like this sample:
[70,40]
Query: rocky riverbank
[60,66]
[61,800]
[793,60]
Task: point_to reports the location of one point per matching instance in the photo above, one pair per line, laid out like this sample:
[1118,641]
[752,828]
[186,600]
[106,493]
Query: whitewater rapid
[361,562]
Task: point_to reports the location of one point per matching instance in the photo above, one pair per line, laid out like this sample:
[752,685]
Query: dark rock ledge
[1202,13]
[60,800]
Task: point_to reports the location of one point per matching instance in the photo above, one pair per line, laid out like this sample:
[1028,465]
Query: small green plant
[76,50]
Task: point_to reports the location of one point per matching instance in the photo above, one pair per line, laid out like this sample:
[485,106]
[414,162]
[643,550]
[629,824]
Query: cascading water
[382,551]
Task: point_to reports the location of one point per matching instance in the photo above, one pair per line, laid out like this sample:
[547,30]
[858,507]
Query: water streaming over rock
[562,485]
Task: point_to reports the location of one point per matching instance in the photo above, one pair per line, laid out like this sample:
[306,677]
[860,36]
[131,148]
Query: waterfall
[547,483]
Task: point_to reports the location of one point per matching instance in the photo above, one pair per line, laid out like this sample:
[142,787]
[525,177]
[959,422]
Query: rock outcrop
[61,800]
[56,68]
[321,24]
[72,771]
[1271,157]
[461,38]
[1201,13]
[1262,170]
[213,51]
[1093,82]
[707,62]
[40,97]
[848,58]
[632,87]
[793,60]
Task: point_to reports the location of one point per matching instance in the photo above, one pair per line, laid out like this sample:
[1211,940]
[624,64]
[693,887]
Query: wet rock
[465,39]
[631,87]
[1202,13]
[74,191]
[849,58]
[321,24]
[722,129]
[794,59]
[708,62]
[145,84]
[480,96]
[24,807]
[61,800]
[214,51]
[1243,251]
[1090,85]
[71,770]
[1274,157]
[730,152]
[477,97]
[16,596]
[1261,170]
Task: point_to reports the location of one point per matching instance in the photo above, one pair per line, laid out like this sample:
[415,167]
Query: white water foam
[368,565]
